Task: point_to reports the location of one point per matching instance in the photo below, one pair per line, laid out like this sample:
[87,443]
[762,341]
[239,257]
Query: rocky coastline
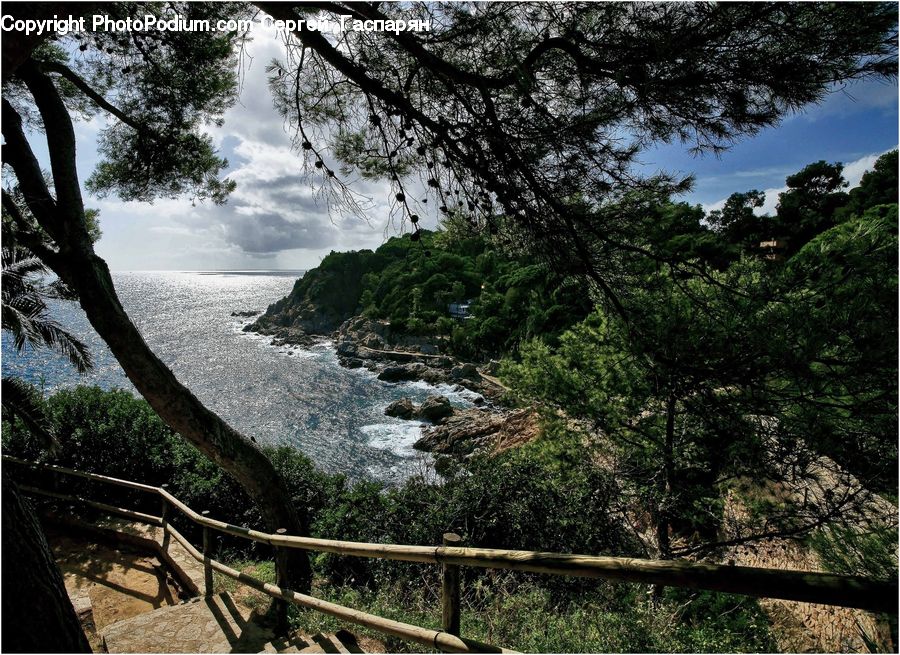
[362,342]
[366,343]
[463,432]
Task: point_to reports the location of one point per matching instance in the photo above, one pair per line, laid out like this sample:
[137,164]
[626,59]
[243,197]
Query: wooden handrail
[433,638]
[137,516]
[805,586]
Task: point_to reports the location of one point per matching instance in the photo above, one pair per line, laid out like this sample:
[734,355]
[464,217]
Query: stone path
[202,625]
[216,624]
[187,571]
[131,600]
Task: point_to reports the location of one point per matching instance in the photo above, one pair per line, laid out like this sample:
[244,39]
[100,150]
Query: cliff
[322,299]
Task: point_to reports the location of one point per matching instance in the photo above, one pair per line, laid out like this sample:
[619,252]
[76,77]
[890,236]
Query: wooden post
[280,606]
[207,567]
[450,589]
[164,516]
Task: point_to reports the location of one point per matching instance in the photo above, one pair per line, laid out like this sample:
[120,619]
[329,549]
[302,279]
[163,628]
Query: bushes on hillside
[540,497]
[517,500]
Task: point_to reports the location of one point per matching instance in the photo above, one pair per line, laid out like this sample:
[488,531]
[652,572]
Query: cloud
[853,171]
[270,233]
[278,214]
[769,206]
[279,205]
[848,98]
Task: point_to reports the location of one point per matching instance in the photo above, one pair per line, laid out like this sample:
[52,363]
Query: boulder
[374,342]
[461,433]
[470,430]
[464,371]
[435,408]
[353,362]
[393,374]
[347,349]
[401,373]
[282,336]
[402,408]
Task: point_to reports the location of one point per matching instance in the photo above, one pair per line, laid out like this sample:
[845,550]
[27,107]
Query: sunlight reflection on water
[280,395]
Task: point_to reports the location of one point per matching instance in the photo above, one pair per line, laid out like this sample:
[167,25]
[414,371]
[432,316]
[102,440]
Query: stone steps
[216,624]
[340,642]
[187,571]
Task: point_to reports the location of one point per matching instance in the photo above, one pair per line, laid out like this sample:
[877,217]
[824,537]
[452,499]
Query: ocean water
[280,395]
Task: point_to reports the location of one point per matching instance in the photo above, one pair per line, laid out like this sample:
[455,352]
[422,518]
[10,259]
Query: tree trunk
[38,616]
[184,413]
[663,519]
[78,265]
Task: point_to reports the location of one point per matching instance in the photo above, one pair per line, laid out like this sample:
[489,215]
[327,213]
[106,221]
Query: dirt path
[809,627]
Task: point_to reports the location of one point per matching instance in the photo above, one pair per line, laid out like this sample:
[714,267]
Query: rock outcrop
[403,408]
[402,373]
[323,298]
[378,335]
[435,409]
[470,430]
[405,358]
[285,335]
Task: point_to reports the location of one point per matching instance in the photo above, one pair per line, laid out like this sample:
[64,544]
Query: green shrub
[871,553]
[521,499]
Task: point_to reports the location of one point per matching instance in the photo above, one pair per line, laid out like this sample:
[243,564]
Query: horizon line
[208,270]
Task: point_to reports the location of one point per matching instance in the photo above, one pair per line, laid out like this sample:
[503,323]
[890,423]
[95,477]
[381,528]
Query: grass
[251,598]
[529,614]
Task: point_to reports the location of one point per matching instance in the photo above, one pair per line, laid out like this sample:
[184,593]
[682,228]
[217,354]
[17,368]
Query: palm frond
[26,315]
[53,335]
[20,400]
[61,291]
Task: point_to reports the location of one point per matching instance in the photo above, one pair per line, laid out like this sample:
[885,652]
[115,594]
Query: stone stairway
[216,624]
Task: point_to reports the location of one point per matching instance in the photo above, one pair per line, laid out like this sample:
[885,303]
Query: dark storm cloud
[288,193]
[270,233]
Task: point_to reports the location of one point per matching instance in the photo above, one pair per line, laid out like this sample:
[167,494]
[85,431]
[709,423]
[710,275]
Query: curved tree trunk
[184,413]
[38,616]
[87,274]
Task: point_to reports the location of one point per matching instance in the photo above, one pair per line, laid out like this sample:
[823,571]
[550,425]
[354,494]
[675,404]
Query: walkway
[216,624]
[127,589]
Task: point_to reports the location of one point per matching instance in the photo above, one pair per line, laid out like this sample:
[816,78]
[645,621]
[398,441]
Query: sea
[278,394]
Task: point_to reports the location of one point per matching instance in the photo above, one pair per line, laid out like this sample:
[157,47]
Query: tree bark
[662,515]
[38,616]
[87,274]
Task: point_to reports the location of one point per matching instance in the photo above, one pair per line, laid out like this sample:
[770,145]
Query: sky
[273,220]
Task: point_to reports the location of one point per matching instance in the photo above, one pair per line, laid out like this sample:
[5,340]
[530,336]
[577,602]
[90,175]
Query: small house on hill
[459,310]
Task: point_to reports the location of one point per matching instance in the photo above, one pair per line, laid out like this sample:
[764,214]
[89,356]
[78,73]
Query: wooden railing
[824,588]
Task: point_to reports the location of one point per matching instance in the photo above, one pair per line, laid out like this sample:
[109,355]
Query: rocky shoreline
[366,343]
[463,432]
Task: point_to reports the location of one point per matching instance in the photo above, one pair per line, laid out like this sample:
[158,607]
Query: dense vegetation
[412,280]
[751,368]
[745,361]
[523,499]
[548,140]
[753,365]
